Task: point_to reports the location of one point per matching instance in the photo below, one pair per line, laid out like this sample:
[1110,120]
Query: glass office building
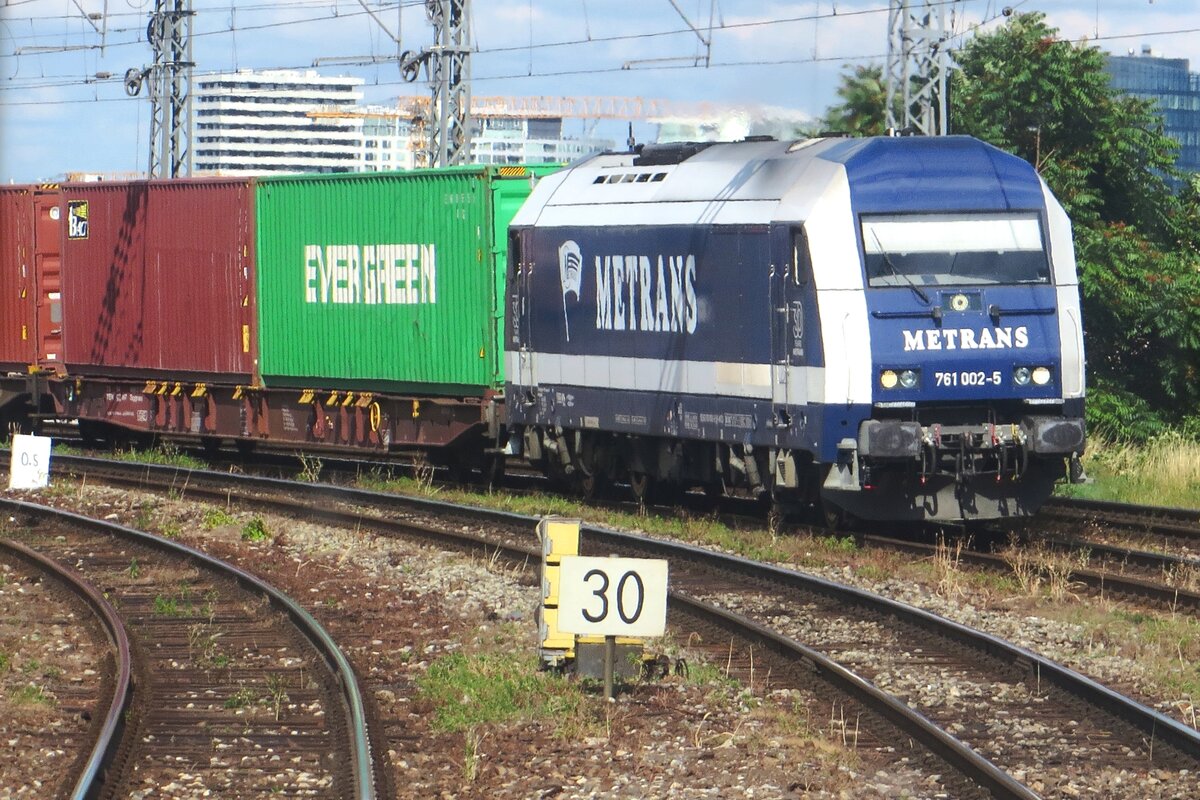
[1176,90]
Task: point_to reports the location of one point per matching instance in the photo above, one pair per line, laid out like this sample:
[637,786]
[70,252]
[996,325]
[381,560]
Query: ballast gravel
[397,607]
[52,656]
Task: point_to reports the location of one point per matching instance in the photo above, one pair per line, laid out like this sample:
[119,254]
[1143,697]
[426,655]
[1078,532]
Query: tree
[1106,158]
[1051,102]
[864,98]
[1141,310]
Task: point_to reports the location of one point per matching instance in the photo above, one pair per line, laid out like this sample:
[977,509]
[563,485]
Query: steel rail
[1154,724]
[1163,520]
[90,780]
[1167,596]
[362,760]
[1145,559]
[605,541]
[971,765]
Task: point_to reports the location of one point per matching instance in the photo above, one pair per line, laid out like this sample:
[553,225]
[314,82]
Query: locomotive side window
[514,252]
[954,249]
[801,264]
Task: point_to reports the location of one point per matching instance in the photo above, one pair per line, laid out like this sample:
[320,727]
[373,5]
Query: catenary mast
[918,65]
[170,78]
[448,67]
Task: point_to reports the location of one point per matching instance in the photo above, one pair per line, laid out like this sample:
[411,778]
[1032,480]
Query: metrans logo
[376,274]
[653,293]
[967,339]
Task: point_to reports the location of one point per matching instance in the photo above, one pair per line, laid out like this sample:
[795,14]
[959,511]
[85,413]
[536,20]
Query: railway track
[1153,537]
[1081,728]
[1139,558]
[111,666]
[237,690]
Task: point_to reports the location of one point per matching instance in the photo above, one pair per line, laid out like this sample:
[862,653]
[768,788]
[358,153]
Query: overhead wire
[233,28]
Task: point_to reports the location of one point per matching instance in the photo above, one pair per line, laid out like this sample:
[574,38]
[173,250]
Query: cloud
[53,131]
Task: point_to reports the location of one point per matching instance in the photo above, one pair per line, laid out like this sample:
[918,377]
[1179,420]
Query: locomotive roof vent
[652,155]
[631,177]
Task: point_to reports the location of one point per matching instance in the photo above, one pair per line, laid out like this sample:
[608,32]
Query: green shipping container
[386,281]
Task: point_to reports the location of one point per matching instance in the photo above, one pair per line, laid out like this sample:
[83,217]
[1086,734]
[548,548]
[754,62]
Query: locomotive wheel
[835,518]
[594,486]
[642,485]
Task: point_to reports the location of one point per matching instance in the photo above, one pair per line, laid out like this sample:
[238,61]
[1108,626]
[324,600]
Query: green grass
[1166,646]
[242,698]
[165,454]
[167,606]
[216,518]
[255,531]
[1164,472]
[30,695]
[755,543]
[468,691]
[181,604]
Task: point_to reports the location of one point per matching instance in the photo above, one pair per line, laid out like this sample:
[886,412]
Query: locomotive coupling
[961,452]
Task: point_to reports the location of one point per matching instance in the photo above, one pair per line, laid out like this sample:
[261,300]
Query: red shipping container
[18,350]
[159,279]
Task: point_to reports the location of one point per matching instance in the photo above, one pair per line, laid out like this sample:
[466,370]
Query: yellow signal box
[559,537]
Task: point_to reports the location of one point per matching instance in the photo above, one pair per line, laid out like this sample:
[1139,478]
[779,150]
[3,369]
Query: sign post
[612,597]
[30,467]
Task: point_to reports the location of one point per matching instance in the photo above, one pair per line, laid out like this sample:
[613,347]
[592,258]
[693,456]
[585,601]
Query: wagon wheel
[458,468]
[592,486]
[493,469]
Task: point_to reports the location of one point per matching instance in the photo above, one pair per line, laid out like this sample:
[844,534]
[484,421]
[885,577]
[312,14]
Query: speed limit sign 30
[613,596]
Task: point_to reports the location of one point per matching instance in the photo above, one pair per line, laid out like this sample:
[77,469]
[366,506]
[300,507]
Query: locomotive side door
[47,270]
[519,313]
[793,303]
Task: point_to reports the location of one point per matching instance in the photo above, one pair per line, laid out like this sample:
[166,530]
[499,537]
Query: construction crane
[540,107]
[419,111]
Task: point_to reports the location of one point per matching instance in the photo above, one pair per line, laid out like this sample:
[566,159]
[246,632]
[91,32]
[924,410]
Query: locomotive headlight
[908,378]
[888,379]
[1021,376]
[1041,376]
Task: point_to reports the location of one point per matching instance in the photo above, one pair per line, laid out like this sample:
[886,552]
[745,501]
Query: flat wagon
[319,312]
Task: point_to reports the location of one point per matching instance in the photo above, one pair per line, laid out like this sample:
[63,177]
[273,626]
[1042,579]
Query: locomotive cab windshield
[941,249]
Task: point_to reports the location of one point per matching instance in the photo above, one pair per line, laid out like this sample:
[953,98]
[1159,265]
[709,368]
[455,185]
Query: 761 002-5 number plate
[967,378]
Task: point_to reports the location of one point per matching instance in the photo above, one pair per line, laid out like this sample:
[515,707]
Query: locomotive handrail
[1038,311]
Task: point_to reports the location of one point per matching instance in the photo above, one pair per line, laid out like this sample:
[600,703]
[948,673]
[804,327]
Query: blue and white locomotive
[887,328]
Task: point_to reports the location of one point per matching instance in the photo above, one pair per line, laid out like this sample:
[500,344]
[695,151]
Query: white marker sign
[30,467]
[613,596]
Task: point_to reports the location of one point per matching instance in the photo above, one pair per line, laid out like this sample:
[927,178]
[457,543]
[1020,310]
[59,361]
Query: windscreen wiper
[901,275]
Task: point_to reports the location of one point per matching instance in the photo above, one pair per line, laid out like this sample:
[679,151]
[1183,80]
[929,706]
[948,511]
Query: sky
[63,105]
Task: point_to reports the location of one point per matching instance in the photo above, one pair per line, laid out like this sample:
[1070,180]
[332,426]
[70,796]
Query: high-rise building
[282,121]
[1174,88]
[528,140]
[254,123]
